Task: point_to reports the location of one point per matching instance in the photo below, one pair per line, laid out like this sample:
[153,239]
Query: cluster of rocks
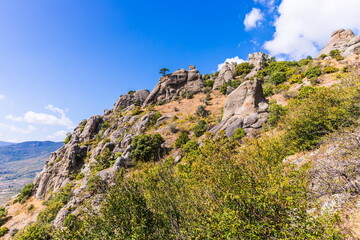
[172,85]
[226,73]
[131,100]
[343,40]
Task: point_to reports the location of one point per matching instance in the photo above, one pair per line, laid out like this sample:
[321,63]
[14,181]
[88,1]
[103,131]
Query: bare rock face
[259,60]
[245,108]
[127,100]
[352,47]
[339,40]
[225,74]
[173,84]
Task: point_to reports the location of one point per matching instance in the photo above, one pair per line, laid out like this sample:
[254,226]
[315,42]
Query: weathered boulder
[225,74]
[137,98]
[352,47]
[259,60]
[173,84]
[245,107]
[339,40]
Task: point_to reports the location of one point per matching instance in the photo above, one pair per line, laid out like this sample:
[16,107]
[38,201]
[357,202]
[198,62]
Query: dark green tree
[163,71]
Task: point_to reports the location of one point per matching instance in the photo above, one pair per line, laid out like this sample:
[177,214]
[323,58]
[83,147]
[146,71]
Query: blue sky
[62,61]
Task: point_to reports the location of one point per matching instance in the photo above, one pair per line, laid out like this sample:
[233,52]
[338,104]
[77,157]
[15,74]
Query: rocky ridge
[343,40]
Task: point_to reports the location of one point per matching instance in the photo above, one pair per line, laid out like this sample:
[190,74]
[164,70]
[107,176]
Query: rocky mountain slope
[19,163]
[238,154]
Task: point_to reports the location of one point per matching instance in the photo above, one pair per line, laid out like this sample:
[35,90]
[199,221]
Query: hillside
[264,149]
[19,164]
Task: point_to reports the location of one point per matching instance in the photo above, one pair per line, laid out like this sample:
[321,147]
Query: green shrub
[277,78]
[3,215]
[334,53]
[209,83]
[96,185]
[275,112]
[202,112]
[239,134]
[330,69]
[313,71]
[322,56]
[136,111]
[200,128]
[190,146]
[25,193]
[3,231]
[243,69]
[182,139]
[68,138]
[268,89]
[147,147]
[306,91]
[103,161]
[152,119]
[35,231]
[296,78]
[304,62]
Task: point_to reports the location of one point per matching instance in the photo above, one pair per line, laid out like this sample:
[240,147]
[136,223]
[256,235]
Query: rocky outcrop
[245,108]
[344,41]
[225,74]
[259,60]
[136,98]
[171,85]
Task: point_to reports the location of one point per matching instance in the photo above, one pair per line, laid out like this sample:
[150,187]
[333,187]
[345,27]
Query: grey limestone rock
[225,74]
[259,60]
[172,84]
[340,40]
[137,98]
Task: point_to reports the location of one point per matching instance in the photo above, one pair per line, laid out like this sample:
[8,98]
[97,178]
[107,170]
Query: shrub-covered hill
[188,161]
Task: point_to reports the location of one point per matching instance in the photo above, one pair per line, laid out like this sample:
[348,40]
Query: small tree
[163,71]
[147,147]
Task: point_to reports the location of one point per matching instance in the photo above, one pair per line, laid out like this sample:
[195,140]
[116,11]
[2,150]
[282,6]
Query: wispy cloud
[59,135]
[253,19]
[30,129]
[44,118]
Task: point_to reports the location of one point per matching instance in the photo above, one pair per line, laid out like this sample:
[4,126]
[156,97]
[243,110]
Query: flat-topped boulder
[171,85]
[132,98]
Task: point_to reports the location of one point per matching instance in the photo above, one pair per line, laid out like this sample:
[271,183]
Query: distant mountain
[5,143]
[19,164]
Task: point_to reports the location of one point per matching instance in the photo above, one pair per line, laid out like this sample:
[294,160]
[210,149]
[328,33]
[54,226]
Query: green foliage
[243,69]
[3,231]
[67,139]
[313,71]
[25,193]
[136,111]
[275,67]
[318,112]
[200,128]
[131,92]
[163,71]
[202,112]
[275,112]
[334,53]
[232,83]
[35,231]
[182,139]
[103,161]
[147,147]
[96,185]
[306,91]
[191,146]
[239,134]
[304,62]
[3,216]
[153,118]
[268,89]
[330,69]
[277,78]
[209,83]
[296,78]
[322,56]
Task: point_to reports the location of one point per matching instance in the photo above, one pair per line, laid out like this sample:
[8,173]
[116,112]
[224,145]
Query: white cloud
[230,60]
[44,118]
[267,3]
[30,129]
[303,27]
[253,19]
[2,96]
[59,135]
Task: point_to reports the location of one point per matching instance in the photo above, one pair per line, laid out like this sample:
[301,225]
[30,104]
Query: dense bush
[3,231]
[104,160]
[275,112]
[335,53]
[239,134]
[96,185]
[25,193]
[313,71]
[277,78]
[3,215]
[209,83]
[147,147]
[182,139]
[330,69]
[243,69]
[200,128]
[202,112]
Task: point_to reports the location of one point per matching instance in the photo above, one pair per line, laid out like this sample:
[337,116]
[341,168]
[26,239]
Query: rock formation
[245,108]
[173,84]
[259,60]
[344,41]
[225,74]
[137,99]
